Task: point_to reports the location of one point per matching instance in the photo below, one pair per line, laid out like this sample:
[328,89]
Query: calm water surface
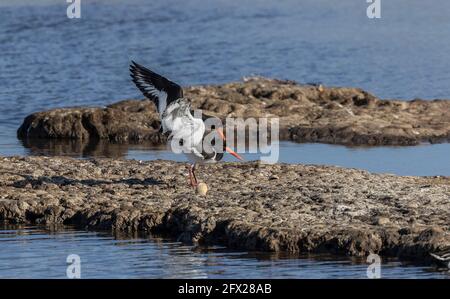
[33,252]
[423,160]
[49,61]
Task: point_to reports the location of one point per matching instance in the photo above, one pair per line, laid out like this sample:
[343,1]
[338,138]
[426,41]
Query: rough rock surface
[281,207]
[307,113]
[125,121]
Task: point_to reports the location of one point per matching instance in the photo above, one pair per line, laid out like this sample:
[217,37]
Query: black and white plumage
[185,131]
[155,87]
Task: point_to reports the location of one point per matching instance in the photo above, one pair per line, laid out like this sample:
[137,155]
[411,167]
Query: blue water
[422,160]
[34,252]
[48,61]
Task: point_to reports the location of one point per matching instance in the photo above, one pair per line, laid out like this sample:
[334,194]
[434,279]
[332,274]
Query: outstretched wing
[155,87]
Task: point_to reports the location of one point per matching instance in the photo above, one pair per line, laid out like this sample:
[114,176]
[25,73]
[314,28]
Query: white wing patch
[178,120]
[168,116]
[162,101]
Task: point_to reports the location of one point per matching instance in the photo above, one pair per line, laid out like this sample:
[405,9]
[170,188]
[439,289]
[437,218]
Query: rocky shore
[251,206]
[307,113]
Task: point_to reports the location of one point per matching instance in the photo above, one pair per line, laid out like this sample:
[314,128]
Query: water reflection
[421,160]
[40,252]
[83,149]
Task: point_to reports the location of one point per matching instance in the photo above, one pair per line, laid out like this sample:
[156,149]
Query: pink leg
[192,178]
[193,174]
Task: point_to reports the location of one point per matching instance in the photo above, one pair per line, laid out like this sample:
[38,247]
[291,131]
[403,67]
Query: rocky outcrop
[253,206]
[307,113]
[125,121]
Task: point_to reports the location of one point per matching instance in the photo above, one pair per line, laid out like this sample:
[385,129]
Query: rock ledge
[307,113]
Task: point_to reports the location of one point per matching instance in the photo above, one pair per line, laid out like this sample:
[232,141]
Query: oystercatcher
[184,131]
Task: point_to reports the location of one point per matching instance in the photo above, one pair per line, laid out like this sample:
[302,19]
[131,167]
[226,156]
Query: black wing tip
[135,66]
[133,72]
[135,69]
[140,70]
[141,73]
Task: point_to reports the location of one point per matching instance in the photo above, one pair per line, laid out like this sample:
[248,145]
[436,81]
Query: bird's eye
[181,142]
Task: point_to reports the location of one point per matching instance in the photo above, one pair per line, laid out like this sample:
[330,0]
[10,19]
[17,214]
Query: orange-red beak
[219,130]
[233,153]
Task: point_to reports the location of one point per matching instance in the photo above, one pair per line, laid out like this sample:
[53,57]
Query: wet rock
[307,113]
[126,121]
[312,209]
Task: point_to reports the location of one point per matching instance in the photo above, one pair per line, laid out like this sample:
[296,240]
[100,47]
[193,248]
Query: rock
[317,209]
[125,121]
[202,189]
[382,220]
[307,113]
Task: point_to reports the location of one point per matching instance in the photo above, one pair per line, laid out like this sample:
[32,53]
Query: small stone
[382,220]
[202,189]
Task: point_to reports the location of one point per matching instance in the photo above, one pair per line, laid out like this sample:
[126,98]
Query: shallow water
[34,252]
[422,160]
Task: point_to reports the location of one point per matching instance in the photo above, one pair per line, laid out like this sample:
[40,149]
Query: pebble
[202,189]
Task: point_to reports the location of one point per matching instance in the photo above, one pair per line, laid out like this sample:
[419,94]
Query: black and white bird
[185,132]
